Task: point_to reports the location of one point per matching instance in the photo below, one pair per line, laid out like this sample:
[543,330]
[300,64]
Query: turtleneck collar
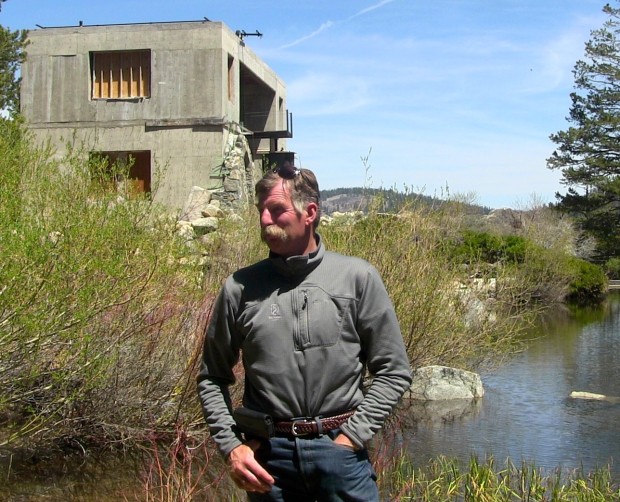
[298,265]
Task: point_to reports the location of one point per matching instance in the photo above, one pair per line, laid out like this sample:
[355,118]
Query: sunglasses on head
[287,171]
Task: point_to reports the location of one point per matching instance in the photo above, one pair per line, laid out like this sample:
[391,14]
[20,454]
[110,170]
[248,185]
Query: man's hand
[344,440]
[245,471]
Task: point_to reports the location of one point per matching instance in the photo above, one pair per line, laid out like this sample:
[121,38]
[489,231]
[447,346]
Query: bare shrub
[439,324]
[96,296]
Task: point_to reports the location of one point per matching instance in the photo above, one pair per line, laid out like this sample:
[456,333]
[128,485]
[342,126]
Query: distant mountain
[358,199]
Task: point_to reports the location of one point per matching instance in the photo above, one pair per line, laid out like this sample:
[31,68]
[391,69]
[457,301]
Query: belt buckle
[294,431]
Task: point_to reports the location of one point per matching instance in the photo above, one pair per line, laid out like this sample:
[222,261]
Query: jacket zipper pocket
[303,318]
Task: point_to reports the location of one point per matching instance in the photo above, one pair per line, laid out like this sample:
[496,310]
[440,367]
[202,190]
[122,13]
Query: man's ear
[312,211]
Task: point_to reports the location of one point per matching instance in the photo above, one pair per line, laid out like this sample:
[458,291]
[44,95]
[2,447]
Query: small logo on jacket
[275,311]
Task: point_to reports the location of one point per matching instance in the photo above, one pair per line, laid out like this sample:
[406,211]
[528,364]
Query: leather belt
[311,426]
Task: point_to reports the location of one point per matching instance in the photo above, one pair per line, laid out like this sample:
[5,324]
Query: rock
[235,218]
[197,200]
[587,395]
[211,210]
[432,383]
[594,397]
[477,300]
[207,240]
[204,226]
[54,237]
[231,185]
[185,230]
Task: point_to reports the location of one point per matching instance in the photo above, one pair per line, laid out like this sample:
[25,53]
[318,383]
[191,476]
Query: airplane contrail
[328,24]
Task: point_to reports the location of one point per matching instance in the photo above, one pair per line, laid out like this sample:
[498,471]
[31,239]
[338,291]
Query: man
[308,323]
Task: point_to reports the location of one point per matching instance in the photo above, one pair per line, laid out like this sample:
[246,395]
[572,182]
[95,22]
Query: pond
[527,414]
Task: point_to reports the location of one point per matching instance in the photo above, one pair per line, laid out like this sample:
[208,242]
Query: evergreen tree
[588,153]
[12,54]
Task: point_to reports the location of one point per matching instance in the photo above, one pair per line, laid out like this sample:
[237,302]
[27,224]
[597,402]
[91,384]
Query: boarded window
[121,74]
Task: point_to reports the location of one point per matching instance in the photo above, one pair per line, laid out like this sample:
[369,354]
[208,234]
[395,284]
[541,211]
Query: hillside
[358,198]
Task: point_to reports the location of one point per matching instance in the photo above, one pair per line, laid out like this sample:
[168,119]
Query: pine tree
[588,153]
[12,54]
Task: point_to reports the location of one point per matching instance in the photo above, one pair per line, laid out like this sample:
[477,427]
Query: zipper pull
[303,307]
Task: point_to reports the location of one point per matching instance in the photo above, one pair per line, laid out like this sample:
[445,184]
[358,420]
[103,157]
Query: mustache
[273,231]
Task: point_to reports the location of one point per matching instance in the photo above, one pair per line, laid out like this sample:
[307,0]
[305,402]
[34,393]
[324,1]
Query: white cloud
[370,9]
[327,94]
[324,27]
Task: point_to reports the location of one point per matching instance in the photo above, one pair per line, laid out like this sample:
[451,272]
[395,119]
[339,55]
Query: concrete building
[188,102]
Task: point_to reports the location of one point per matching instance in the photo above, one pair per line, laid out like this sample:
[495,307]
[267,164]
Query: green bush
[612,268]
[588,283]
[96,293]
[476,246]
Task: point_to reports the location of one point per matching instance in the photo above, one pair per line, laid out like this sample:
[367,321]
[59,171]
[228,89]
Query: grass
[443,479]
[200,474]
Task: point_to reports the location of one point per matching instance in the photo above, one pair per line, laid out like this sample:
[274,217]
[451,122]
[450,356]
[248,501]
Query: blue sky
[451,97]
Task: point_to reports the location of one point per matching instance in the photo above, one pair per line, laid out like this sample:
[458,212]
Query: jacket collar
[298,265]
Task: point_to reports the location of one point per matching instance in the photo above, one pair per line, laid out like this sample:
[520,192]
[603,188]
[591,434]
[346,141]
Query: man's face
[282,228]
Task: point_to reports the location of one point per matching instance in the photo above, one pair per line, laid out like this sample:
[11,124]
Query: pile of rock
[338,218]
[200,216]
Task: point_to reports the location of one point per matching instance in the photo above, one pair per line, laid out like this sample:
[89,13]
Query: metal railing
[259,123]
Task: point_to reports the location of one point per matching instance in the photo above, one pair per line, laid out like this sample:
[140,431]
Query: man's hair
[302,187]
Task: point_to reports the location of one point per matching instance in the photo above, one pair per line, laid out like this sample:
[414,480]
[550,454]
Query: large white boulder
[433,383]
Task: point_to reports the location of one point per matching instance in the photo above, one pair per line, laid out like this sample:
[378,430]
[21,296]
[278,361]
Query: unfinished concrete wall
[180,157]
[186,120]
[186,73]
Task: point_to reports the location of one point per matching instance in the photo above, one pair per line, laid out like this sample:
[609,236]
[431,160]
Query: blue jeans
[316,469]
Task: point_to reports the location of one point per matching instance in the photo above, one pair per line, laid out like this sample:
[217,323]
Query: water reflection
[104,476]
[526,414]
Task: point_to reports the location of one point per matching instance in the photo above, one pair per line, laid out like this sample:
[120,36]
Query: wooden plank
[145,74]
[102,63]
[94,79]
[125,75]
[115,75]
[134,76]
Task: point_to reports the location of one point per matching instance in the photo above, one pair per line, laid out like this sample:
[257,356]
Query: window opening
[129,173]
[231,78]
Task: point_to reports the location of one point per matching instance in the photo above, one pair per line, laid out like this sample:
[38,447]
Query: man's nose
[265,218]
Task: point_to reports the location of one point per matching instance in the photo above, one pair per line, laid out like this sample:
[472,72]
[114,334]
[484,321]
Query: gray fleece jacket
[307,328]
